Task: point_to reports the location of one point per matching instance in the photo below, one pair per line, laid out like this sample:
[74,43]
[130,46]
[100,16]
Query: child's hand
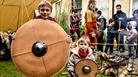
[120,18]
[93,34]
[119,30]
[71,74]
[104,54]
[98,23]
[69,39]
[13,36]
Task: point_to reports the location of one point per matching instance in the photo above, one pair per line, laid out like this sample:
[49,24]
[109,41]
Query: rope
[121,32]
[114,44]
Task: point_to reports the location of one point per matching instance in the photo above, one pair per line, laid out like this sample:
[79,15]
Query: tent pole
[18,17]
[113,4]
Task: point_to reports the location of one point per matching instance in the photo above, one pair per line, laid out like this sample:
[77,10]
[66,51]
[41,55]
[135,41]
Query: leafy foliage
[62,18]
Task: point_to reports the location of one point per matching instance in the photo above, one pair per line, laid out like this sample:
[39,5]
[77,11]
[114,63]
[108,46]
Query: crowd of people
[93,36]
[118,27]
[5,44]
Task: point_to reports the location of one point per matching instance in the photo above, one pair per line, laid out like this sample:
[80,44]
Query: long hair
[91,2]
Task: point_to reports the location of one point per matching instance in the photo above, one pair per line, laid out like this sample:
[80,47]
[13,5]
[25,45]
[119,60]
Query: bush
[62,22]
[82,28]
[62,18]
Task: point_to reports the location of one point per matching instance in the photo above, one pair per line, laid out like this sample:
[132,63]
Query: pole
[113,4]
[72,6]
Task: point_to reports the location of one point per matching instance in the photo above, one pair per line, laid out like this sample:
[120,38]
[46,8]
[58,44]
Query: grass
[8,69]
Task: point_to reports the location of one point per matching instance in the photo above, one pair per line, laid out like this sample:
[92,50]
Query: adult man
[101,22]
[120,25]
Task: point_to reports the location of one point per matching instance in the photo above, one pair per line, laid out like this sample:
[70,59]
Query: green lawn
[8,69]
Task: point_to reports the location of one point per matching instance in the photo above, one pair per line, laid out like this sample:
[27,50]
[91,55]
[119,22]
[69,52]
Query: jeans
[109,45]
[100,42]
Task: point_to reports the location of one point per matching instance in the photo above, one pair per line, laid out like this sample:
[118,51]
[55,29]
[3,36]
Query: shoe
[130,55]
[122,50]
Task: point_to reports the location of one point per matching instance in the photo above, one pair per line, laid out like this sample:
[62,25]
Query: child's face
[136,15]
[83,45]
[112,23]
[45,11]
[92,5]
[75,14]
[97,15]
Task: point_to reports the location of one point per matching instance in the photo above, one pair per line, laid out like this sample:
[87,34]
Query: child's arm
[53,19]
[71,65]
[102,24]
[111,30]
[93,57]
[13,36]
[132,36]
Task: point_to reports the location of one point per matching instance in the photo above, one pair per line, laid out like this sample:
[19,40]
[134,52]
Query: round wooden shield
[40,48]
[86,68]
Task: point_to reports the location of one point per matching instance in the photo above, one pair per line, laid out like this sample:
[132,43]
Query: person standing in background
[131,37]
[135,18]
[110,37]
[120,25]
[91,23]
[101,23]
[74,25]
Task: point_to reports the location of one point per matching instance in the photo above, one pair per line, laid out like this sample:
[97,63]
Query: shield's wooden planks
[49,33]
[86,68]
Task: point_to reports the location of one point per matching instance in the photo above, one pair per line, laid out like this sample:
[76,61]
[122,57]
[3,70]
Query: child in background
[45,9]
[131,36]
[110,36]
[82,51]
[1,42]
[74,25]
